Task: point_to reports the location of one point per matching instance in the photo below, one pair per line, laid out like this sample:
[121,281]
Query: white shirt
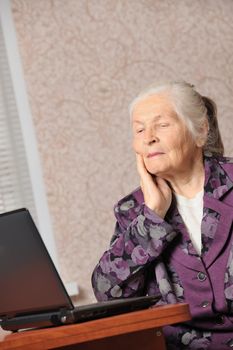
[191,211]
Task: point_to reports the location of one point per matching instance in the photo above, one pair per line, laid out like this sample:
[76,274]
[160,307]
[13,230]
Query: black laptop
[32,294]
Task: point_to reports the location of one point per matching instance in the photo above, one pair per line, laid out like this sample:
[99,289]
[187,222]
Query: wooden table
[131,331]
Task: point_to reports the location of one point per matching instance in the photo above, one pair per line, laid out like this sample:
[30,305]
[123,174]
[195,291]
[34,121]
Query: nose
[150,137]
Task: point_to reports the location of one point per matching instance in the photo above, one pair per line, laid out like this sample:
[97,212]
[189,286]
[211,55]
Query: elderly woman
[174,234]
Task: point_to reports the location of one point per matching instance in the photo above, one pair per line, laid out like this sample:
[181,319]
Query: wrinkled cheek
[154,166]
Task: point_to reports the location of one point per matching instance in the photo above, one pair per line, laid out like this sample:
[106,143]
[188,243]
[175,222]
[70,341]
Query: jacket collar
[217,179]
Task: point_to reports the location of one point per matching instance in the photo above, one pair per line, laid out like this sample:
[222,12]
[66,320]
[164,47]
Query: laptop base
[78,314]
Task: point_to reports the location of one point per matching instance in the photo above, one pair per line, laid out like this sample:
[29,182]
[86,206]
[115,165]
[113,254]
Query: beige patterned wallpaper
[84,60]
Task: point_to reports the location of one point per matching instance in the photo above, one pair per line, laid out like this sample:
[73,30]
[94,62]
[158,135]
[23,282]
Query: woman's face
[162,139]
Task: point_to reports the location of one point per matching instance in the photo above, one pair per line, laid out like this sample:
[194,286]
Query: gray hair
[193,109]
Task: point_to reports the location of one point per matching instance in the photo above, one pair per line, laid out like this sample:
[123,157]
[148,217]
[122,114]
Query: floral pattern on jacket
[147,254]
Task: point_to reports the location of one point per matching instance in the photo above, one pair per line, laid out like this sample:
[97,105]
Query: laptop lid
[29,279]
[32,294]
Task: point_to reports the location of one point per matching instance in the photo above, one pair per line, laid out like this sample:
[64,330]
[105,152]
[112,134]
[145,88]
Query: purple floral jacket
[149,255]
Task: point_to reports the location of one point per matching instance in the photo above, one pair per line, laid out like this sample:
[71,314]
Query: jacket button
[230,343]
[220,320]
[201,276]
[205,304]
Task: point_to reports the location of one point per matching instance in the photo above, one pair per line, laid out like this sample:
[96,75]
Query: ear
[204,129]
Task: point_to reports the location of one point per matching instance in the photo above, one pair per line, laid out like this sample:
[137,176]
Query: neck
[189,181]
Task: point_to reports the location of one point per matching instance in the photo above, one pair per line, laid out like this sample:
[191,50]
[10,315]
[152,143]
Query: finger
[163,185]
[141,166]
[141,185]
[161,181]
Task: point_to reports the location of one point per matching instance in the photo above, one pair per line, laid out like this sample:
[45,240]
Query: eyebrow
[156,117]
[137,122]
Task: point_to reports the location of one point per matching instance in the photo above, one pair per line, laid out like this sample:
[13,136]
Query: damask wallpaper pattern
[84,61]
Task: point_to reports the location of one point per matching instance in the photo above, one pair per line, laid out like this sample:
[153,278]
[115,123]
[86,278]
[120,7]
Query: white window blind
[15,184]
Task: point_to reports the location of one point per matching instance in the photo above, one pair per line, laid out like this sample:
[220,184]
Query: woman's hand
[157,193]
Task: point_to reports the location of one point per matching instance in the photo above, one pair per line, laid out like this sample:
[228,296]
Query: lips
[154,154]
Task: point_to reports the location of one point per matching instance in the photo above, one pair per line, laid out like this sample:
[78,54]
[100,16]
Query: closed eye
[164,125]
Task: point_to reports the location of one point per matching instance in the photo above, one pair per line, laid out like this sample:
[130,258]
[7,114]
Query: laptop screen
[28,278]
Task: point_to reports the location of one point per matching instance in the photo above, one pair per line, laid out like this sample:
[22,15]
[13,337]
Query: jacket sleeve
[138,240]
